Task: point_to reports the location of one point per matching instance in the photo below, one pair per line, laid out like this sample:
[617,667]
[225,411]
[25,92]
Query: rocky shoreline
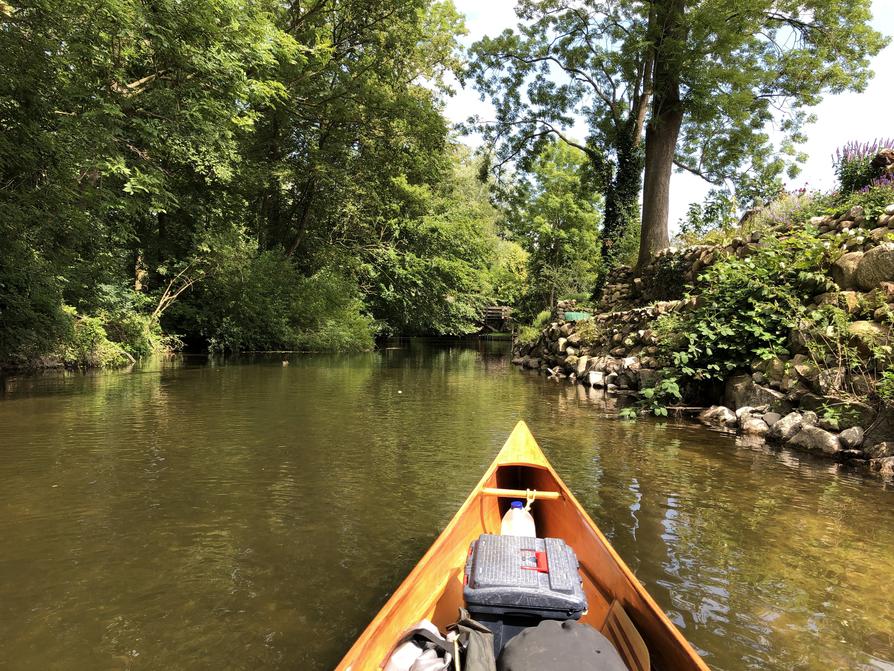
[789,399]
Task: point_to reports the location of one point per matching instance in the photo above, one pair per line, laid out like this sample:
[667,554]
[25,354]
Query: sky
[840,118]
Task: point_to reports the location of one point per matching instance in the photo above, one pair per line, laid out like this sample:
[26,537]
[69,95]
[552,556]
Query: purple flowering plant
[853,164]
[886,181]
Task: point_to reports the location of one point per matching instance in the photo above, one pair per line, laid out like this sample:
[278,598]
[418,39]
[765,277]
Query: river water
[194,514]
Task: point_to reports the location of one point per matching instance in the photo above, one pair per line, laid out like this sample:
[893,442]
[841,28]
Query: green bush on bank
[32,321]
[746,307]
[126,316]
[87,345]
[330,316]
[259,301]
[528,335]
[854,164]
[36,325]
[873,199]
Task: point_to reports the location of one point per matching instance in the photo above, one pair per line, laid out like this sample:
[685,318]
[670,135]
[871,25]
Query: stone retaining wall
[784,399]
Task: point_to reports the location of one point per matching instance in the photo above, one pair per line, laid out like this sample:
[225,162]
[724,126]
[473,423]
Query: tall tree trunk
[662,130]
[661,144]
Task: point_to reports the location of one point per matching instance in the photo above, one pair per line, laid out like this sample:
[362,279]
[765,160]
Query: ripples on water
[253,516]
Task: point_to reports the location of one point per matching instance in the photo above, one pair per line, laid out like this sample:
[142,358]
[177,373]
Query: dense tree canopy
[691,83]
[553,212]
[239,174]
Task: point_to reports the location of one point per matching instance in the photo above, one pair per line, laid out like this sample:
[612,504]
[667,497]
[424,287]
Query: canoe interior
[433,590]
[550,523]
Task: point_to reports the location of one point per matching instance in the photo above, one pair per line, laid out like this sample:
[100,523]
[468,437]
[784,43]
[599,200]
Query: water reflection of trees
[763,566]
[250,497]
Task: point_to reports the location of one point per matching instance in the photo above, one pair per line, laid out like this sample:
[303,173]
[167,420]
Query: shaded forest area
[234,175]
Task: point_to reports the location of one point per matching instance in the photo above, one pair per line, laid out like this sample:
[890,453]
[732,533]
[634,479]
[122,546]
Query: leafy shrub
[784,208]
[528,335]
[718,211]
[746,308]
[666,390]
[885,387]
[126,316]
[717,218]
[853,164]
[873,199]
[542,319]
[589,331]
[508,272]
[88,344]
[329,315]
[259,301]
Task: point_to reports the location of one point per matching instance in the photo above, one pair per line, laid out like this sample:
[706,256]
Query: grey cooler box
[514,582]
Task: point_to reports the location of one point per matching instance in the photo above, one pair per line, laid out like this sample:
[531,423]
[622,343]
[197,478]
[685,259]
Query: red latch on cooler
[542,565]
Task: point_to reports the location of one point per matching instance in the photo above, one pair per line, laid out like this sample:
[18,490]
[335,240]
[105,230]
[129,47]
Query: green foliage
[508,272]
[32,321]
[629,412]
[330,316]
[885,387]
[430,272]
[746,308]
[542,320]
[183,147]
[126,317]
[854,174]
[259,301]
[657,398]
[88,345]
[718,211]
[785,207]
[528,335]
[766,62]
[589,331]
[553,214]
[873,200]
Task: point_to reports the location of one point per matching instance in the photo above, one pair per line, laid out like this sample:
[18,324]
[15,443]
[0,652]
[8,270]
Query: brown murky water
[246,515]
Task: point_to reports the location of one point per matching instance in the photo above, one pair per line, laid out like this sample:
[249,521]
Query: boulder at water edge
[884,466]
[717,415]
[754,426]
[741,391]
[815,439]
[786,428]
[880,450]
[852,438]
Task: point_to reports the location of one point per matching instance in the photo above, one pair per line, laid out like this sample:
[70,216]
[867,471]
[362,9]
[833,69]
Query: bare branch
[696,171]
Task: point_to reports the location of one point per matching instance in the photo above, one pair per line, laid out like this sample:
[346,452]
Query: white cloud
[849,116]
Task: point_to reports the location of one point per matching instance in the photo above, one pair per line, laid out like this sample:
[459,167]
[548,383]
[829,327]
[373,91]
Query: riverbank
[783,333]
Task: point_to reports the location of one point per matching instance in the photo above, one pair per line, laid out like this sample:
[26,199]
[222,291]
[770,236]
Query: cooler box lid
[524,575]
